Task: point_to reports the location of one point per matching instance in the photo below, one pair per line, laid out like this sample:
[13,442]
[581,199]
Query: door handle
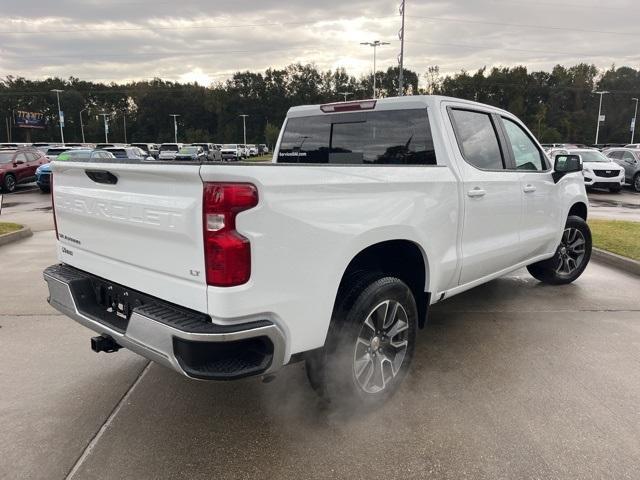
[529,188]
[476,192]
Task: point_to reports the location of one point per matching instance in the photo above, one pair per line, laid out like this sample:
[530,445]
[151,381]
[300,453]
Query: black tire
[383,361]
[568,263]
[616,189]
[636,182]
[45,189]
[9,183]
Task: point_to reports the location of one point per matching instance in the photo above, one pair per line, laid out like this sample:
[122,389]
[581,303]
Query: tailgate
[139,225]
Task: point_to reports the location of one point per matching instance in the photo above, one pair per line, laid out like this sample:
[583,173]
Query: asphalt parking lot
[513,379]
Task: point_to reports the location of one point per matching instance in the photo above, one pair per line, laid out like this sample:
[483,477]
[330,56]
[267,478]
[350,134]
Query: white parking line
[87,451]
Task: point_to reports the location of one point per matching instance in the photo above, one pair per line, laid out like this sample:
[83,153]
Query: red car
[19,166]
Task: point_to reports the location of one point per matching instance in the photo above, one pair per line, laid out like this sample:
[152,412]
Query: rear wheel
[9,183]
[370,343]
[636,182]
[571,258]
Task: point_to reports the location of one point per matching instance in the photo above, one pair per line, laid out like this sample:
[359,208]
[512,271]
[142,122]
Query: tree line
[558,106]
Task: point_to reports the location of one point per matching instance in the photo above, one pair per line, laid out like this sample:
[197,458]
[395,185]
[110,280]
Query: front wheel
[571,258]
[370,343]
[636,182]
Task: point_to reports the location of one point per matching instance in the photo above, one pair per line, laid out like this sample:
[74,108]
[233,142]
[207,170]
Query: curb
[617,261]
[24,232]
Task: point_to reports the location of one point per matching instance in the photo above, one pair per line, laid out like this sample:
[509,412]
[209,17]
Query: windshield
[119,153]
[169,148]
[56,151]
[230,146]
[188,151]
[593,156]
[5,157]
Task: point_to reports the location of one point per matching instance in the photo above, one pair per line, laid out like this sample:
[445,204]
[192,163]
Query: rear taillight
[53,205]
[227,254]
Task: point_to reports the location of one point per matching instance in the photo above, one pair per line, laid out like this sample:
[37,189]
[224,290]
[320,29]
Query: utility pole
[244,127]
[401,57]
[345,94]
[602,93]
[60,114]
[633,121]
[175,126]
[106,126]
[82,124]
[375,44]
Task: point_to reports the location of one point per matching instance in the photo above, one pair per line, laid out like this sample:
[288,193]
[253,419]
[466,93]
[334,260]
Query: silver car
[629,159]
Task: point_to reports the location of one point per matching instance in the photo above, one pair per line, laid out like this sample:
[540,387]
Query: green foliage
[271,133]
[557,105]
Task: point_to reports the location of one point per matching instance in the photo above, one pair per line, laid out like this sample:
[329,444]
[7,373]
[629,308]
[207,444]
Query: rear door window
[397,137]
[477,139]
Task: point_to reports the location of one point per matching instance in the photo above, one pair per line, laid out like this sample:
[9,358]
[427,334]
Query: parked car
[151,149]
[168,151]
[18,165]
[306,261]
[629,159]
[231,151]
[13,145]
[212,152]
[244,151]
[132,153]
[101,146]
[192,153]
[253,150]
[43,172]
[53,152]
[632,145]
[598,170]
[263,149]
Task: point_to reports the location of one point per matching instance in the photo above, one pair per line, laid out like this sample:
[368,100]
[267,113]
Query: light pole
[633,122]
[82,124]
[345,94]
[124,120]
[106,126]
[244,127]
[602,93]
[401,57]
[60,114]
[375,44]
[175,126]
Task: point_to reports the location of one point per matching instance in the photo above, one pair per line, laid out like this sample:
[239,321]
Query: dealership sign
[29,119]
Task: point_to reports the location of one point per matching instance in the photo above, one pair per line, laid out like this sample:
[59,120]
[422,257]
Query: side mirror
[565,163]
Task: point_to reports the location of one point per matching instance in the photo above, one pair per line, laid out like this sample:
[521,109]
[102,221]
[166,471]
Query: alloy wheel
[571,252]
[381,346]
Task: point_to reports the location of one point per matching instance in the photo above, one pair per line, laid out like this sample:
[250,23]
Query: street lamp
[60,114]
[82,124]
[345,94]
[175,126]
[375,44]
[633,122]
[602,93]
[244,127]
[106,126]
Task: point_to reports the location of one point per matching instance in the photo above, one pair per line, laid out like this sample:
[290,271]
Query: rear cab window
[385,137]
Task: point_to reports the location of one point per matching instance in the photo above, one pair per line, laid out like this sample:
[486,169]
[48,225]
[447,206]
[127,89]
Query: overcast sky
[206,41]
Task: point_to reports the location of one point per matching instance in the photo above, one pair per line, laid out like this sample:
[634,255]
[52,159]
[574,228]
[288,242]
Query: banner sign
[29,119]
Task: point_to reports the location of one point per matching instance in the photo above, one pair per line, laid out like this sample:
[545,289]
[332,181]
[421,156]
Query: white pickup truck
[332,253]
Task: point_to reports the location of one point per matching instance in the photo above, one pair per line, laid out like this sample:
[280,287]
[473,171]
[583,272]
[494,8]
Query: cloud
[204,41]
